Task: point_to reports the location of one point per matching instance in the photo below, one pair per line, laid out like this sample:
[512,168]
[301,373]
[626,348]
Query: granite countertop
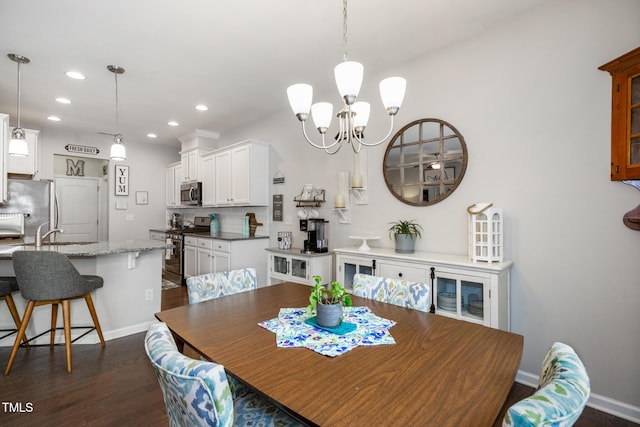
[88,249]
[299,251]
[223,235]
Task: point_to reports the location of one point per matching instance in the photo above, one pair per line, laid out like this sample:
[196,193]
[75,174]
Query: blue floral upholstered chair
[561,396]
[398,292]
[197,393]
[216,285]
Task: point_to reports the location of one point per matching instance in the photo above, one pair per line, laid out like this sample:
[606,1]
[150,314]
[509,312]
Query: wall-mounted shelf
[360,194]
[345,215]
[315,201]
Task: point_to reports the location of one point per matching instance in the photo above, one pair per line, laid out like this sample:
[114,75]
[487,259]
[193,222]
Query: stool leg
[14,313]
[54,322]
[66,316]
[21,335]
[94,316]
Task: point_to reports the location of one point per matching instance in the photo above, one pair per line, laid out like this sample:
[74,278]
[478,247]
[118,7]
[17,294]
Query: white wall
[535,113]
[146,173]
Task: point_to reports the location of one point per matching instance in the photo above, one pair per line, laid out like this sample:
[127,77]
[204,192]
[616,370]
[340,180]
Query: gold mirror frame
[425,162]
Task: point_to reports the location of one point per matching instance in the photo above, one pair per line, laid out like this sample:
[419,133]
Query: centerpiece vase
[329,315]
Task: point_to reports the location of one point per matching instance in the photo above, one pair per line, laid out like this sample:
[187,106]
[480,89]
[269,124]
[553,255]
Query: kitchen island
[126,304]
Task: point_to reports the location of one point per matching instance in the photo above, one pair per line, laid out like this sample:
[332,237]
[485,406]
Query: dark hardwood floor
[116,386]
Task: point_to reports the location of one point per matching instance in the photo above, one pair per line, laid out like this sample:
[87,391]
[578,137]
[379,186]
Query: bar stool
[47,277]
[9,285]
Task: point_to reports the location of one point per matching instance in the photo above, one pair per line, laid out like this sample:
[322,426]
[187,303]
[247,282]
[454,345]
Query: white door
[78,209]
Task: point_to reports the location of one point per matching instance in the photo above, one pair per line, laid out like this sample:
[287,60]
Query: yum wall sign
[122,180]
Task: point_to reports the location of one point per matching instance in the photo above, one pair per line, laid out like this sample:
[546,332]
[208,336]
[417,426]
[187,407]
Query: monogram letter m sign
[122,180]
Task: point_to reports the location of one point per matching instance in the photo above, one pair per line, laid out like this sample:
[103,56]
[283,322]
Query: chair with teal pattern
[561,396]
[393,291]
[197,393]
[216,285]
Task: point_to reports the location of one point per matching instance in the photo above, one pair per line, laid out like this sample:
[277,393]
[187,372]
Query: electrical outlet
[148,294]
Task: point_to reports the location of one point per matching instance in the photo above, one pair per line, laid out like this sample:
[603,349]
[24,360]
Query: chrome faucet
[40,237]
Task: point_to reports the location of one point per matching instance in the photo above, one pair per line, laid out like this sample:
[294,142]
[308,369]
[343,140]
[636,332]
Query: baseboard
[596,401]
[91,338]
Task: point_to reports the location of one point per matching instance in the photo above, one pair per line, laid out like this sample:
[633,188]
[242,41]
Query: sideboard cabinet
[291,265]
[476,292]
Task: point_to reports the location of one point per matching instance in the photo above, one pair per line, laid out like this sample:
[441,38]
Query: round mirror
[424,162]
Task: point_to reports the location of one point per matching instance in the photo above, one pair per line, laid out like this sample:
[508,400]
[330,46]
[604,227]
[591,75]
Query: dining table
[439,371]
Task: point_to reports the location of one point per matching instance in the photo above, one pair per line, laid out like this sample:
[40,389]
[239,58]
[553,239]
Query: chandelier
[18,144]
[354,115]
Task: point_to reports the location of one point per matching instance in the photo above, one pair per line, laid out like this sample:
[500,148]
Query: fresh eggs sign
[122,180]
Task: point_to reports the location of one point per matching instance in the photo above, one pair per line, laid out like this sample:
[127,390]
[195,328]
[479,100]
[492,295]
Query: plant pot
[329,315]
[405,243]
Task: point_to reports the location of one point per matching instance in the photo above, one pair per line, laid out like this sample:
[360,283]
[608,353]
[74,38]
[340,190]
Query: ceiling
[237,57]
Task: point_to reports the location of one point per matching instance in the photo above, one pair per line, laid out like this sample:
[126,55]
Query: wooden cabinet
[625,115]
[291,265]
[25,165]
[203,255]
[242,174]
[475,292]
[173,177]
[207,176]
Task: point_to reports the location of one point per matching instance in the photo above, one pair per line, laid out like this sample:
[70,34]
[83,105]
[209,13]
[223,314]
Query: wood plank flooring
[116,386]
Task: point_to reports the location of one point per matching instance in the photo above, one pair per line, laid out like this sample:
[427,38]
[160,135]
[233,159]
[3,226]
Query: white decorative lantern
[486,241]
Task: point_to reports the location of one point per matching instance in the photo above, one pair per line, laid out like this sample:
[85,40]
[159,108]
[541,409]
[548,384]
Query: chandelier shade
[118,151]
[354,115]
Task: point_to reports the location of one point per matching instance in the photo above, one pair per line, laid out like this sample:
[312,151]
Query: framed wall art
[122,180]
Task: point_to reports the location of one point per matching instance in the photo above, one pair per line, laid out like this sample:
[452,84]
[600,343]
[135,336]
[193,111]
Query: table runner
[292,331]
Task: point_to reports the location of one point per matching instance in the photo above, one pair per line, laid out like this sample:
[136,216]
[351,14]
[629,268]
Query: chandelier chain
[344,29]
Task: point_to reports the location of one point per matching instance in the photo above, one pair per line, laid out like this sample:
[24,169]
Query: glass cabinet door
[351,269]
[462,297]
[299,268]
[280,264]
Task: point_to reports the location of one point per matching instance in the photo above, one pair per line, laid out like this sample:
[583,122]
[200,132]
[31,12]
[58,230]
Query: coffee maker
[316,241]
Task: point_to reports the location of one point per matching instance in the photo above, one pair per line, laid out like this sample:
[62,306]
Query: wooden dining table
[441,371]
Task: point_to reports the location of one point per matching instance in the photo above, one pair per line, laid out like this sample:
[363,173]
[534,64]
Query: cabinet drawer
[221,246]
[190,241]
[403,272]
[153,235]
[205,243]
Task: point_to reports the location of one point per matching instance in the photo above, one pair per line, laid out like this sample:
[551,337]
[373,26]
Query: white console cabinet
[476,292]
[291,265]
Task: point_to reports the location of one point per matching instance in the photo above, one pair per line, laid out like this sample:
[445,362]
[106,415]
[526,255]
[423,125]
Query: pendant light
[118,151]
[18,144]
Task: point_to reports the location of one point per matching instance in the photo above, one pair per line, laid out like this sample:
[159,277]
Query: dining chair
[48,277]
[561,396]
[216,285]
[413,295]
[197,392]
[9,285]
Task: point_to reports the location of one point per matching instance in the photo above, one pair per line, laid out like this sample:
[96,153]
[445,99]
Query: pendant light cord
[116,79]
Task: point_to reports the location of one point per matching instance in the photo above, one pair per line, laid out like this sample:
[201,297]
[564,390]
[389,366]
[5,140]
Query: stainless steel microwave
[191,193]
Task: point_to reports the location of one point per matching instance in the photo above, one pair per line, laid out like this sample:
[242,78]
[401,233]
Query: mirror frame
[440,139]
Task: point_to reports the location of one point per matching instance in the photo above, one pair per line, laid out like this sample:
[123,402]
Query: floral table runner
[292,331]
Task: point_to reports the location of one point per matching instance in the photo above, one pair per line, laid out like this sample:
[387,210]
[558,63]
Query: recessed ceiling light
[75,75]
[201,107]
[54,118]
[152,135]
[62,100]
[172,123]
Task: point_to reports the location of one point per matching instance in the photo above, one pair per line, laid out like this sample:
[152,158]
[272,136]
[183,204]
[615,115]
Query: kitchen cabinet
[173,177]
[625,115]
[190,162]
[204,255]
[475,292]
[291,265]
[207,176]
[242,174]
[25,165]
[4,142]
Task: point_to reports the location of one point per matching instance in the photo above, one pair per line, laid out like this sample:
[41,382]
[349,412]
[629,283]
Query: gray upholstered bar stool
[9,285]
[47,277]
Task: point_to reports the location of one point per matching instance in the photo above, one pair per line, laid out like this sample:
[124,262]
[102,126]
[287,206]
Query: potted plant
[405,233]
[328,301]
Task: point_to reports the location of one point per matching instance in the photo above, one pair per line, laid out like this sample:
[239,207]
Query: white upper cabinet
[207,176]
[242,174]
[173,177]
[190,166]
[26,165]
